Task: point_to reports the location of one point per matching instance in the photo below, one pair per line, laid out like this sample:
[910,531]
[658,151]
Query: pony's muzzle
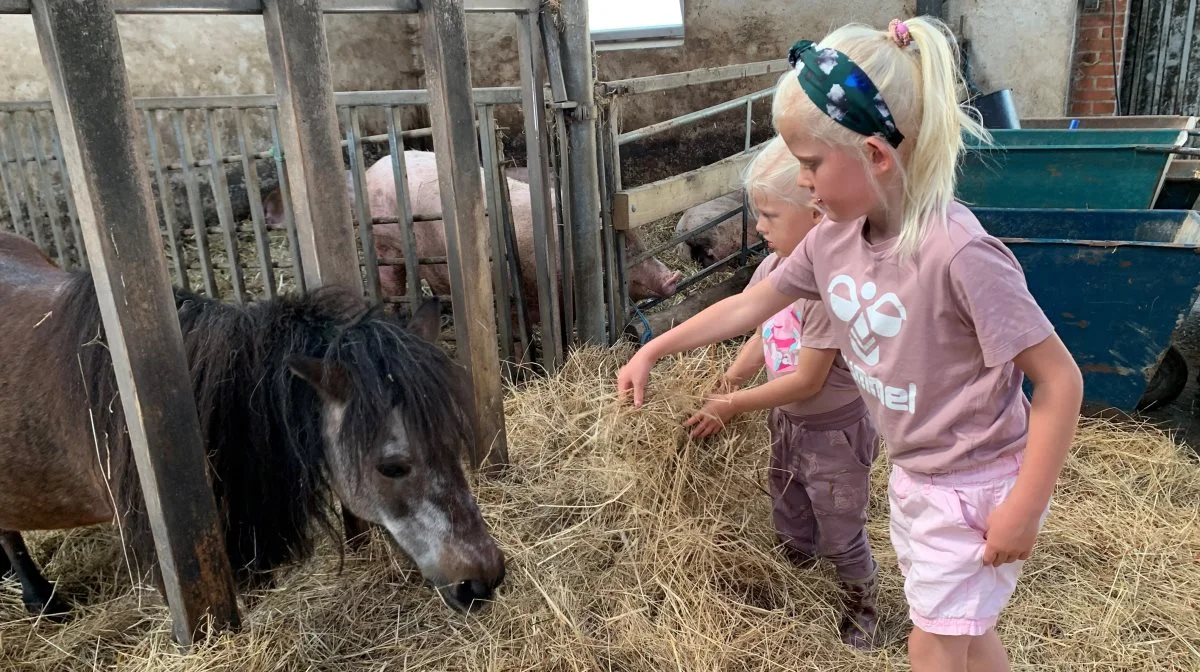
[477,585]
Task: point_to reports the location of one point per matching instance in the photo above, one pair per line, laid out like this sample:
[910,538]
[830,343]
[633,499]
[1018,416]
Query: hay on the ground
[632,548]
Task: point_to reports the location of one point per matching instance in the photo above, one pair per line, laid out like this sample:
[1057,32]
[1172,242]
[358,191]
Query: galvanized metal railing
[215,257]
[612,139]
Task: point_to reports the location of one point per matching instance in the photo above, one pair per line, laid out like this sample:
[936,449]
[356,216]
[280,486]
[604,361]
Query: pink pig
[648,279]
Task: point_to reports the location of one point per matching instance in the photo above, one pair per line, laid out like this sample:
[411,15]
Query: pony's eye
[393,469]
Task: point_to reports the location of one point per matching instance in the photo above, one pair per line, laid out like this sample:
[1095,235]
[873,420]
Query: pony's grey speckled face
[419,494]
[408,478]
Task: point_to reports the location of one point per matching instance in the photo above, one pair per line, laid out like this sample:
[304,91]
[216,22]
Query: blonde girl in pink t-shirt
[933,318]
[822,440]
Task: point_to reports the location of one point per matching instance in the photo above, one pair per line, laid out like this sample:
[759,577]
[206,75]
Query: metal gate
[1160,73]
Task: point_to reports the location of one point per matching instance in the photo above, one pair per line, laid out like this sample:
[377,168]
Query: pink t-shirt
[929,341]
[803,324]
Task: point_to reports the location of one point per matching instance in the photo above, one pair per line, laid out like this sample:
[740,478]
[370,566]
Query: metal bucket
[997,109]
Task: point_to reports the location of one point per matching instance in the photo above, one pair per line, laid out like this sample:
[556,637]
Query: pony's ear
[426,320]
[328,378]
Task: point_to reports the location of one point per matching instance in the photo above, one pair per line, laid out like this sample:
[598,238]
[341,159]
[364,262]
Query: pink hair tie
[899,33]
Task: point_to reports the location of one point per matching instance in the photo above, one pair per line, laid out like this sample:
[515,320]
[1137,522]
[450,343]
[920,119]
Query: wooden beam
[97,123]
[533,74]
[641,205]
[311,142]
[451,110]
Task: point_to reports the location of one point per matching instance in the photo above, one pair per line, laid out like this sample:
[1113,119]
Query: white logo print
[865,324]
[869,318]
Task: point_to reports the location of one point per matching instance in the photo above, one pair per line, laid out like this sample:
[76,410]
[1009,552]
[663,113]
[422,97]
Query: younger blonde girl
[822,439]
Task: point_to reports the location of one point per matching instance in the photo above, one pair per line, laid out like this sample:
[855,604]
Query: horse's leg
[36,592]
[357,530]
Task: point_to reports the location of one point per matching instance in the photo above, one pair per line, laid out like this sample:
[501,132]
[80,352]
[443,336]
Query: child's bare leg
[987,654]
[928,652]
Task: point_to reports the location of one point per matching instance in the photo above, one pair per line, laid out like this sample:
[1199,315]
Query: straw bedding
[631,548]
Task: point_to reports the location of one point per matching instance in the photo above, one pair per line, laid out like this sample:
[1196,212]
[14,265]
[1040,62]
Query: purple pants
[819,481]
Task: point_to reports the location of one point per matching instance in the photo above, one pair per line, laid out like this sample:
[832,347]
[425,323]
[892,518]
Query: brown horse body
[302,401]
[50,477]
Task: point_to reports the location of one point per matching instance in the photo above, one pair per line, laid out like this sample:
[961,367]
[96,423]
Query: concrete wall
[723,32]
[194,55]
[217,55]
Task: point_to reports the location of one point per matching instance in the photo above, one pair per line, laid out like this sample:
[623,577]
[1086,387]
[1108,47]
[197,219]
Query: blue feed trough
[1115,283]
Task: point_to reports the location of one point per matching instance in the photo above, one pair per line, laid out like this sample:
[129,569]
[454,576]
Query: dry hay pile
[631,548]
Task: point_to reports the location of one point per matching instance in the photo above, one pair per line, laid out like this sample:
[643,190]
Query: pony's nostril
[472,591]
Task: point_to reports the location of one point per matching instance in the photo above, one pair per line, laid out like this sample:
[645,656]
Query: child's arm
[723,320]
[748,362]
[1053,416]
[812,368]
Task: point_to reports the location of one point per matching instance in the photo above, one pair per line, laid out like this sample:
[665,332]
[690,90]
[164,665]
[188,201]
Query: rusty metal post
[468,241]
[98,124]
[582,160]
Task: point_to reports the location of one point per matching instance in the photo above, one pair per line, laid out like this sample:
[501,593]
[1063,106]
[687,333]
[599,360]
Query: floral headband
[840,89]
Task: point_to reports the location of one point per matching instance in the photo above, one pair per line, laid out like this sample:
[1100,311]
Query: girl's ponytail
[931,169]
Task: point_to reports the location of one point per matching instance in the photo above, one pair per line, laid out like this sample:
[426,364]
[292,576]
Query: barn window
[636,24]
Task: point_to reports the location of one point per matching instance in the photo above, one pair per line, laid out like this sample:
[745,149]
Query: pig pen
[654,175]
[631,547]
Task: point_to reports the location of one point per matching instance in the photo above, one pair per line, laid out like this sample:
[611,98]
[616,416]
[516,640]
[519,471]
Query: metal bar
[286,199]
[749,124]
[451,109]
[48,197]
[365,232]
[1164,45]
[583,167]
[1189,27]
[566,237]
[256,6]
[166,196]
[21,184]
[254,194]
[532,75]
[676,80]
[200,232]
[497,95]
[692,117]
[524,330]
[10,185]
[408,239]
[492,176]
[605,152]
[80,251]
[220,191]
[94,110]
[308,124]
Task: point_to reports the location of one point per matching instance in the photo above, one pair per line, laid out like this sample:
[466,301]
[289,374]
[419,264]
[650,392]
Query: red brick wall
[1093,85]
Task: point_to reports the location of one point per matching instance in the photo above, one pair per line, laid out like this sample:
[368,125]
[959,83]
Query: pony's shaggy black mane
[262,423]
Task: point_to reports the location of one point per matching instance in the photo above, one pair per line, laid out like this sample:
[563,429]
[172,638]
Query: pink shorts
[937,528]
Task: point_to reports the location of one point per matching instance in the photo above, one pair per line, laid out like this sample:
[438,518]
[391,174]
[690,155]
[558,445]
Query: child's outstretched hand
[1011,533]
[634,376]
[712,417]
